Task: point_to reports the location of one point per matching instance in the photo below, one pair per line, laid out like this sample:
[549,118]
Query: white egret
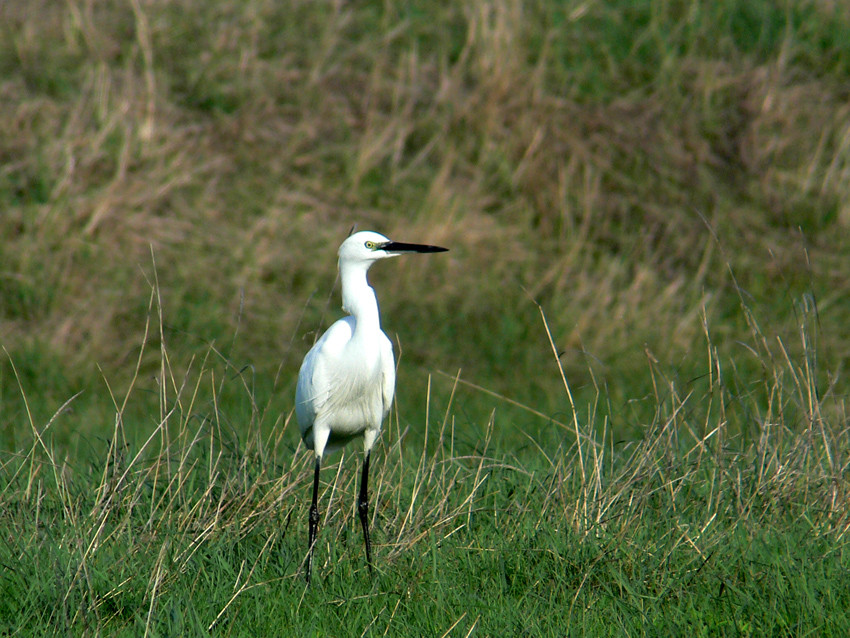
[347,380]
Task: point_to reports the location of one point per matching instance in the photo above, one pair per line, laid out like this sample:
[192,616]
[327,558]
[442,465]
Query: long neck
[358,298]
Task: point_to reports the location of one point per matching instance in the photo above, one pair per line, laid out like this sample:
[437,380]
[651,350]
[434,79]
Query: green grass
[661,450]
[197,524]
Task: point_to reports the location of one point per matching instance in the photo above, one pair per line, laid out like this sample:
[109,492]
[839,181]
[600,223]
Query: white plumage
[347,380]
[344,389]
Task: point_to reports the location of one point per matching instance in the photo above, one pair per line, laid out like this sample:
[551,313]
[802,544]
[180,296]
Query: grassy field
[621,406]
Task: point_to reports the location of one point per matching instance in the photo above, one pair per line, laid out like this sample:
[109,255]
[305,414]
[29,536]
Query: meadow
[621,404]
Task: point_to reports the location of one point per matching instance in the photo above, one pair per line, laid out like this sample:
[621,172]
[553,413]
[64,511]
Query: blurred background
[669,181]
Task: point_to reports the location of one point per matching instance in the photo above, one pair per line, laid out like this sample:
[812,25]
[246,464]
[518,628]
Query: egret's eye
[370,245]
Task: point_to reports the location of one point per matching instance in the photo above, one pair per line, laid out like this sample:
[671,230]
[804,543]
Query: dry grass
[236,150]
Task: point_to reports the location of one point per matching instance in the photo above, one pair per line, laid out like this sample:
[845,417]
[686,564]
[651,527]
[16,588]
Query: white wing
[315,377]
[387,374]
[344,393]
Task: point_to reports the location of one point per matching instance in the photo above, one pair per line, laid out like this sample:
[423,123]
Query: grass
[621,404]
[197,525]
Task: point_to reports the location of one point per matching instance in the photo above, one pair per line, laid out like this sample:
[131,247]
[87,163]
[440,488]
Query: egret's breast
[355,403]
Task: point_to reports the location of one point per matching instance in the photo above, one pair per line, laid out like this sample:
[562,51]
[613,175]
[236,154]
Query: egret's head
[369,246]
[365,245]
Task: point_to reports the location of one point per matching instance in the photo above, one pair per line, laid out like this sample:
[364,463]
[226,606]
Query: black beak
[401,247]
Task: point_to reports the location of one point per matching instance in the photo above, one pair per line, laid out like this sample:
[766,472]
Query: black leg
[314,519]
[363,509]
